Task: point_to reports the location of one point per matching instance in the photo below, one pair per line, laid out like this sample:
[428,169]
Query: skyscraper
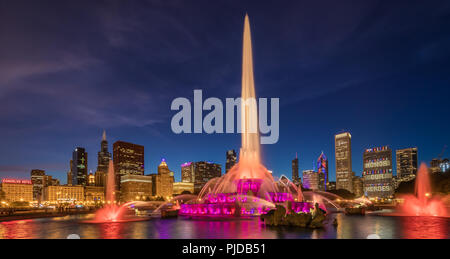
[37,179]
[343,153]
[310,180]
[322,169]
[377,172]
[103,156]
[128,159]
[79,166]
[103,161]
[406,162]
[69,174]
[163,181]
[231,160]
[203,172]
[187,172]
[295,176]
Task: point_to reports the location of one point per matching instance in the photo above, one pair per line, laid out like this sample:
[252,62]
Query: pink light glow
[422,204]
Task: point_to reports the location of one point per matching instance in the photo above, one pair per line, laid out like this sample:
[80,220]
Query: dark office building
[79,167]
[406,162]
[128,159]
[231,160]
[103,156]
[295,175]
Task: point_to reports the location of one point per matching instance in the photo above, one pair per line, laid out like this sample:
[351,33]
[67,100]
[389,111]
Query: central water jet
[248,188]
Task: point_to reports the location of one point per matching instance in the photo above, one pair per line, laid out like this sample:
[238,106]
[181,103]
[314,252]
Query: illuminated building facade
[295,174]
[91,180]
[310,180]
[343,153]
[163,181]
[94,195]
[16,190]
[128,159]
[64,194]
[377,172]
[79,167]
[203,172]
[406,162]
[187,172]
[445,165]
[322,170]
[37,179]
[183,188]
[136,188]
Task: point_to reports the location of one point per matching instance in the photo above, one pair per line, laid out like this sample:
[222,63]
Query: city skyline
[178,174]
[60,94]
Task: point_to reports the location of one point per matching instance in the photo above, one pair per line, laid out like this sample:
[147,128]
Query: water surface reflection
[348,227]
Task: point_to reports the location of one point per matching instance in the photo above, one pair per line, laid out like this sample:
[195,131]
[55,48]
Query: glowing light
[422,204]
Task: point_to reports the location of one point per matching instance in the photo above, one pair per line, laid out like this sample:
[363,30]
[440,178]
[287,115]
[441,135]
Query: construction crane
[442,152]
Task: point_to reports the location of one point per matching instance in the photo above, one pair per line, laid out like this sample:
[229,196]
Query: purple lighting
[186,164]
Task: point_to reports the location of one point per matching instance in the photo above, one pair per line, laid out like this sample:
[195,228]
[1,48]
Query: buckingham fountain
[248,189]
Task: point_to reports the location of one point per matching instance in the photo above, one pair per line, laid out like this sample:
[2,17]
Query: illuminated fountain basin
[249,200]
[422,203]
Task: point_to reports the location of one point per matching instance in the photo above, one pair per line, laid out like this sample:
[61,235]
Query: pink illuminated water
[110,212]
[422,203]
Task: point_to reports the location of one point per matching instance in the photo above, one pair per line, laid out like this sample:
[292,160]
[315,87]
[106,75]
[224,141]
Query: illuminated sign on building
[377,176]
[383,188]
[16,181]
[383,163]
[377,172]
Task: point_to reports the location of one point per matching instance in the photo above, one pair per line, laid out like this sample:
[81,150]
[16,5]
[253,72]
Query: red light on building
[16,181]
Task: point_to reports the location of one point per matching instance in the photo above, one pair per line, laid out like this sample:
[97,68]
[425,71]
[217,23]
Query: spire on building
[104,136]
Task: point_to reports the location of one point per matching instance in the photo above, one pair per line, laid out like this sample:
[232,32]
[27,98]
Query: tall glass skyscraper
[295,176]
[79,166]
[322,170]
[103,161]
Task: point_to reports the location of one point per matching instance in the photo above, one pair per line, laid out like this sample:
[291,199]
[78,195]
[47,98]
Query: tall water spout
[110,183]
[249,116]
